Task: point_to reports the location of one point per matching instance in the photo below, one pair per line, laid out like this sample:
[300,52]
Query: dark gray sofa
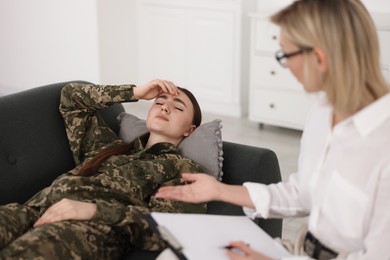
[34,150]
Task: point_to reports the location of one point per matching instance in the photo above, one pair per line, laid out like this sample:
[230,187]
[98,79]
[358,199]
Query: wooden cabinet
[200,45]
[275,96]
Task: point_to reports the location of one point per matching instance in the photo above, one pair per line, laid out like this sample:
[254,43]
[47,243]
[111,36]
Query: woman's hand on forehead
[154,88]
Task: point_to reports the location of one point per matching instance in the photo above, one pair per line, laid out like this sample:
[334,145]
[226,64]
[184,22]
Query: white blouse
[343,182]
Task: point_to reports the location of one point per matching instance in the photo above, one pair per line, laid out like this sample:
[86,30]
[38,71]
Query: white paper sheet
[203,236]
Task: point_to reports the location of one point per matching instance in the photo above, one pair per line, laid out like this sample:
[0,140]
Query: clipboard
[204,236]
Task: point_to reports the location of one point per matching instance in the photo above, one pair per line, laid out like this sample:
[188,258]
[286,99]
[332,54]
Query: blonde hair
[346,32]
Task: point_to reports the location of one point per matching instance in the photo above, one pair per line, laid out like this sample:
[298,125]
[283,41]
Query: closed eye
[179,105]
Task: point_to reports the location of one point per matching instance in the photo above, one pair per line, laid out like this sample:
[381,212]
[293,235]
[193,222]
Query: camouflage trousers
[62,240]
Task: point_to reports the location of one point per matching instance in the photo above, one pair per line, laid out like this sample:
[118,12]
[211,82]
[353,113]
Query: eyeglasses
[282,57]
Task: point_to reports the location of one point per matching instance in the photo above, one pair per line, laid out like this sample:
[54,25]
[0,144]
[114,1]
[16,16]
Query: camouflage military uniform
[122,189]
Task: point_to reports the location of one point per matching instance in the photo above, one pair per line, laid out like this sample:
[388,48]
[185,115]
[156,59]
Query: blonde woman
[343,178]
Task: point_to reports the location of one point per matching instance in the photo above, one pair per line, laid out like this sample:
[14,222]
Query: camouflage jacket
[124,185]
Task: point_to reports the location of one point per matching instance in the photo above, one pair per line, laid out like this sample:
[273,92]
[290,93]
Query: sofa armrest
[33,144]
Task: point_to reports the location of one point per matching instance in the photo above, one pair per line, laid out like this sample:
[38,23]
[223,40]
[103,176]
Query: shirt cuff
[126,92]
[108,212]
[261,199]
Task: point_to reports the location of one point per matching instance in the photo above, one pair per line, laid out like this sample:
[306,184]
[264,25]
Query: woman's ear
[189,131]
[321,59]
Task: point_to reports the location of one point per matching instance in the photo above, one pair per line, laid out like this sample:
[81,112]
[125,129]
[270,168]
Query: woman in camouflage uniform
[96,210]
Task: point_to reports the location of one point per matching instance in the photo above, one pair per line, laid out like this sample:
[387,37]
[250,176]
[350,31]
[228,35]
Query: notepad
[202,236]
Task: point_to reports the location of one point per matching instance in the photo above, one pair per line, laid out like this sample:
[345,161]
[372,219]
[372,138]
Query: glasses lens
[281,58]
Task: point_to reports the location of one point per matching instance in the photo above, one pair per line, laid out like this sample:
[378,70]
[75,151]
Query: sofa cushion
[203,146]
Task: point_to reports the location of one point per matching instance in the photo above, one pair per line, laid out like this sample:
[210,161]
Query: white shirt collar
[371,117]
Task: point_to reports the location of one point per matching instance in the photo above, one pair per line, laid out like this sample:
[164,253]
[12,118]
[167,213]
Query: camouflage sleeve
[132,223]
[85,129]
[106,213]
[131,218]
[164,205]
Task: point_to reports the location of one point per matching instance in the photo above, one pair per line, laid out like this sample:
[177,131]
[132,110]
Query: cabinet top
[381,20]
[247,5]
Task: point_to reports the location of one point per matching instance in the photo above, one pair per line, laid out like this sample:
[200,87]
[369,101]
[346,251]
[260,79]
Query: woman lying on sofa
[96,209]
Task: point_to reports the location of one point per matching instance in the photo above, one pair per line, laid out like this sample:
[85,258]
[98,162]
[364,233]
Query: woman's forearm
[234,194]
[87,96]
[78,106]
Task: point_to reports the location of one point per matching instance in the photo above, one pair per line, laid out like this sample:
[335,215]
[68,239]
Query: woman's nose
[165,109]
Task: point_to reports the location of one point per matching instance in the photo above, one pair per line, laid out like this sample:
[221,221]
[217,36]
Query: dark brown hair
[92,165]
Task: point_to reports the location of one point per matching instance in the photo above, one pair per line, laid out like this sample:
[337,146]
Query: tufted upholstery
[34,150]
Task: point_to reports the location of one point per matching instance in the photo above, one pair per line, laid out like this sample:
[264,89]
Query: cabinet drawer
[386,74]
[267,71]
[281,108]
[266,38]
[384,43]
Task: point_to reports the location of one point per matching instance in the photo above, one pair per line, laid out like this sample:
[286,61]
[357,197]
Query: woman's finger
[245,248]
[243,251]
[169,87]
[65,210]
[171,192]
[57,212]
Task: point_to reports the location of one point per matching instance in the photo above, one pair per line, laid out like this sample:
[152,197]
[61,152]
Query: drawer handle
[274,37]
[273,72]
[272,105]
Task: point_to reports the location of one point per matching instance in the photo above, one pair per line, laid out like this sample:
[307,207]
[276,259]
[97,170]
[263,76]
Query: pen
[230,246]
[235,249]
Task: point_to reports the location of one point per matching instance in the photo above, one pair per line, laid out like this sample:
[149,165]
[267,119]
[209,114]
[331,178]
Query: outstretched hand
[154,88]
[202,188]
[67,209]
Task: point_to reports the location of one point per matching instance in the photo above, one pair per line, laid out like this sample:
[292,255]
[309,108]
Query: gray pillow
[203,146]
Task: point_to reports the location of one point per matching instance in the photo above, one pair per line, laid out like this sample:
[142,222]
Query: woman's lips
[162,117]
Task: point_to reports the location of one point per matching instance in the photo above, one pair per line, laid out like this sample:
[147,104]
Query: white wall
[47,41]
[377,6]
[117,31]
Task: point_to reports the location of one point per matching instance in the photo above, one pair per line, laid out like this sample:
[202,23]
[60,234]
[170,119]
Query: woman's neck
[154,139]
[338,117]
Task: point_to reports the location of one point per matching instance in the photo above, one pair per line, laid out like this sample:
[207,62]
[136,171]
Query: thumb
[241,246]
